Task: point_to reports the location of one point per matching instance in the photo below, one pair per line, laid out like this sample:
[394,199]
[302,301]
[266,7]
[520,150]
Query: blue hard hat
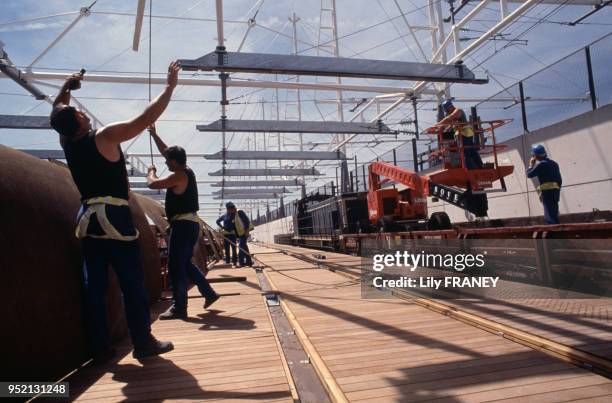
[446,104]
[538,150]
[229,205]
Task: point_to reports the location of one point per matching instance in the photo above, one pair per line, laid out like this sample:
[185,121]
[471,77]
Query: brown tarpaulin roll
[41,270]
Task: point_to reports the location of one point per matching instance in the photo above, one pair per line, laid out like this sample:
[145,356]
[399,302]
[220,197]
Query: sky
[373,29]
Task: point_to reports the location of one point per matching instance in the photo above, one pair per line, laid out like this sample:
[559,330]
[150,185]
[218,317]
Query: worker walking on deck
[549,176]
[105,224]
[456,116]
[182,204]
[238,221]
[229,241]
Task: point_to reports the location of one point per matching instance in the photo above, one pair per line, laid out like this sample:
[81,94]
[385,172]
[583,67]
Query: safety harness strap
[97,206]
[548,186]
[185,217]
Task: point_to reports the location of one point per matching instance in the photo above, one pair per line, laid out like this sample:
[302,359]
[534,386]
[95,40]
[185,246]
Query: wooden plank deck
[228,354]
[393,350]
[585,324]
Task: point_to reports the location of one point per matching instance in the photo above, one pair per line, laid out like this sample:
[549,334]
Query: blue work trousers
[183,237]
[229,243]
[244,256]
[550,200]
[470,154]
[124,257]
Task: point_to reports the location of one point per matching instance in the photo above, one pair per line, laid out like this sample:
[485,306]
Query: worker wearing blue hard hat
[549,176]
[456,116]
[236,227]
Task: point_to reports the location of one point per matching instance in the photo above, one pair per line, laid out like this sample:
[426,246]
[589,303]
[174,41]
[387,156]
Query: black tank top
[93,174]
[187,202]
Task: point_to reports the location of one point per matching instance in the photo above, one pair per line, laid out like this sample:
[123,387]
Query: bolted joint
[85,12]
[460,68]
[221,55]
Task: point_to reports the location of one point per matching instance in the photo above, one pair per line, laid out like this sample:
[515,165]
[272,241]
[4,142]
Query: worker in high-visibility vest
[238,221]
[105,224]
[226,225]
[465,131]
[549,176]
[181,205]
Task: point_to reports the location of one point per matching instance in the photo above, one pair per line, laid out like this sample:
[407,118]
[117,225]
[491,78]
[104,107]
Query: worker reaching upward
[105,225]
[549,176]
[182,204]
[456,116]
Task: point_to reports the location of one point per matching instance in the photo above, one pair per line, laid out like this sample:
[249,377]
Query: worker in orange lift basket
[182,204]
[105,224]
[470,148]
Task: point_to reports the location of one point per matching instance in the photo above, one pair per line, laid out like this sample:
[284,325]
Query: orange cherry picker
[394,210]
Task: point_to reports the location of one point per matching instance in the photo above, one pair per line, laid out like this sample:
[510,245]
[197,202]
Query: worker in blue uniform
[237,220]
[229,238]
[456,116]
[549,176]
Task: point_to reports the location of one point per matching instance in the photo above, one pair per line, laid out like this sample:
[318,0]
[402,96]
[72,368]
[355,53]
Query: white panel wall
[265,232]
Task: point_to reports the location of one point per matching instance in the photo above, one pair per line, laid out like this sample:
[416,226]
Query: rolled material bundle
[41,270]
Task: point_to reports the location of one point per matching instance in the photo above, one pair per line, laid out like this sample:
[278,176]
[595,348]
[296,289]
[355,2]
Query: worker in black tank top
[182,204]
[105,226]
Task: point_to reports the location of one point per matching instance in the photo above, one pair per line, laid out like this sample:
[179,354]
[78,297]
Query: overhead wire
[150,58]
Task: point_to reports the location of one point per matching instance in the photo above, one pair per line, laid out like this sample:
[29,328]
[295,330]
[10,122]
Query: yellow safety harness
[548,186]
[97,206]
[239,225]
[465,131]
[185,217]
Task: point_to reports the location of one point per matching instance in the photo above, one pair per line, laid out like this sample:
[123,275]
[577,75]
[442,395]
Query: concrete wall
[582,147]
[265,232]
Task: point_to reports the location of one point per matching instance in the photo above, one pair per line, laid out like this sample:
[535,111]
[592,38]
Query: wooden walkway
[363,349]
[585,324]
[393,350]
[229,354]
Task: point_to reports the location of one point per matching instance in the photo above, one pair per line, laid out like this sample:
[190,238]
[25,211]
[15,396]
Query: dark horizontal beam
[291,126]
[331,66]
[266,172]
[24,122]
[276,155]
[46,154]
[280,182]
[247,197]
[279,190]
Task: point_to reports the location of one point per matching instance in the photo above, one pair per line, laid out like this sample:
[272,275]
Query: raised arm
[456,114]
[63,98]
[119,132]
[161,146]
